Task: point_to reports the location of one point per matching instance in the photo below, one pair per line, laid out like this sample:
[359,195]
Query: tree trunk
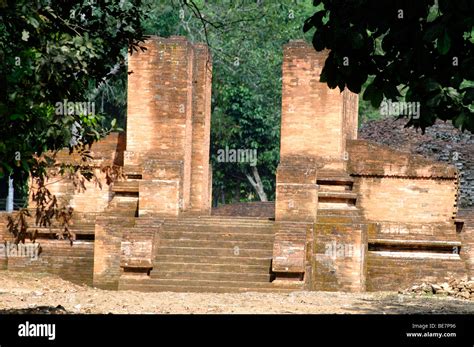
[257,184]
[222,196]
[215,198]
[10,196]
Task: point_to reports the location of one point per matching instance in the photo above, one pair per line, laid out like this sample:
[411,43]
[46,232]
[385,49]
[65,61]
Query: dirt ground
[41,293]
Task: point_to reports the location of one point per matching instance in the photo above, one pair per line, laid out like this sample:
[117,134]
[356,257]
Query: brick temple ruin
[349,215]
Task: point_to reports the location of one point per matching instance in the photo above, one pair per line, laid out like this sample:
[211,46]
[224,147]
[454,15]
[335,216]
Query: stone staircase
[81,225]
[336,199]
[210,254]
[339,233]
[335,190]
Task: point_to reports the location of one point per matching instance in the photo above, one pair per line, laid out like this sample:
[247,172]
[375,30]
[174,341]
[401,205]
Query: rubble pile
[457,288]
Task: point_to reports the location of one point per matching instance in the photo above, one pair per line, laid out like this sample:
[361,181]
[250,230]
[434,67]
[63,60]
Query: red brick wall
[188,146]
[340,257]
[296,193]
[413,201]
[402,270]
[158,98]
[169,120]
[406,200]
[399,187]
[161,189]
[367,158]
[107,247]
[201,129]
[351,115]
[159,115]
[441,142]
[315,119]
[248,209]
[71,262]
[95,198]
[467,250]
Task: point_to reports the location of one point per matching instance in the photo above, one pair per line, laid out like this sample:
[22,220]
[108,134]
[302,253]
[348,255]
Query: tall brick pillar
[168,94]
[467,248]
[316,120]
[200,176]
[315,123]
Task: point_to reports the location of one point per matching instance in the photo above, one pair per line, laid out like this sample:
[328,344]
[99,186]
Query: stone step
[340,219]
[132,170]
[125,187]
[335,204]
[148,230]
[218,260]
[414,242]
[293,224]
[334,188]
[73,223]
[206,285]
[334,174]
[256,245]
[122,206]
[334,181]
[348,224]
[211,283]
[148,287]
[198,222]
[205,267]
[120,212]
[288,226]
[222,217]
[215,236]
[338,210]
[213,276]
[139,222]
[125,220]
[374,237]
[340,196]
[89,230]
[116,205]
[205,228]
[192,217]
[213,251]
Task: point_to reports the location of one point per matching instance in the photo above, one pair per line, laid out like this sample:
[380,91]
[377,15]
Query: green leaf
[16,116]
[353,84]
[25,166]
[432,33]
[33,22]
[357,40]
[308,24]
[434,101]
[444,43]
[373,94]
[8,168]
[432,85]
[318,41]
[459,121]
[468,98]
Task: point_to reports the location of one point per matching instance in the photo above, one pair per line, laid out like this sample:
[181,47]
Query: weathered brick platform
[349,215]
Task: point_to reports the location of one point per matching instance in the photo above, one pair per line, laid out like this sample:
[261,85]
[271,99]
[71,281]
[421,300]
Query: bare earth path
[22,292]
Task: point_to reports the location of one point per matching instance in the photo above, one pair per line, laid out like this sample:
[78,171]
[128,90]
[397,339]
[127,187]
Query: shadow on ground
[411,304]
[37,310]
